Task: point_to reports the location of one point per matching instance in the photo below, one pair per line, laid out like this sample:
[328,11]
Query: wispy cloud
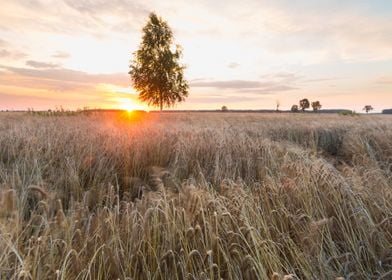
[271,83]
[99,7]
[46,88]
[233,65]
[5,53]
[39,64]
[61,55]
[11,54]
[224,99]
[326,30]
[384,80]
[233,84]
[316,80]
[58,78]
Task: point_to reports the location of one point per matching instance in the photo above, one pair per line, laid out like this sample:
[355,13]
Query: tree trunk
[160,101]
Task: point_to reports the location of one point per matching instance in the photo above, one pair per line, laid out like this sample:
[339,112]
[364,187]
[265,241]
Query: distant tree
[155,70]
[367,108]
[294,108]
[225,109]
[304,104]
[277,105]
[316,105]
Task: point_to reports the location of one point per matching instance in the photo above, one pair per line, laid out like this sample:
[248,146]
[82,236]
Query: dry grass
[195,196]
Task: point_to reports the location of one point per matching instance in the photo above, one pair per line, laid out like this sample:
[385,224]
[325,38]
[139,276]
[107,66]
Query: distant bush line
[387,111]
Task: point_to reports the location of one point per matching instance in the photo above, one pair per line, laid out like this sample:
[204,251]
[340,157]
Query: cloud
[38,64]
[16,55]
[69,17]
[384,80]
[233,65]
[48,87]
[5,53]
[41,99]
[61,55]
[12,98]
[288,77]
[241,86]
[120,16]
[270,89]
[322,80]
[231,84]
[8,52]
[96,7]
[270,83]
[327,31]
[224,99]
[58,79]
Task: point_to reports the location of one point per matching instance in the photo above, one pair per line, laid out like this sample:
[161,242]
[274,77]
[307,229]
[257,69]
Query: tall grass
[195,196]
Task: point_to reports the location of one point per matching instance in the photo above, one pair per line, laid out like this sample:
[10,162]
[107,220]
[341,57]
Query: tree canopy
[155,70]
[367,108]
[294,108]
[304,104]
[316,105]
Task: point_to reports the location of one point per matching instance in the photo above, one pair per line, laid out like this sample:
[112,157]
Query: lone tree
[224,108]
[316,105]
[277,105]
[155,70]
[294,108]
[304,104]
[368,108]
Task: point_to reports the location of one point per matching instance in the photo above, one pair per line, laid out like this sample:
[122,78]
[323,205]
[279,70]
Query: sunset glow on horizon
[245,55]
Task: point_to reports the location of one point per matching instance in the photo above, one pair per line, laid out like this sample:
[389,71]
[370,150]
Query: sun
[127,106]
[123,98]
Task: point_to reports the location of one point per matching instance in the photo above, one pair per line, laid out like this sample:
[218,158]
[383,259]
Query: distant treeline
[88,111]
[387,111]
[329,111]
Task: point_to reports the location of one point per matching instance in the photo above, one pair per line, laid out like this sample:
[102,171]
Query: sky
[247,54]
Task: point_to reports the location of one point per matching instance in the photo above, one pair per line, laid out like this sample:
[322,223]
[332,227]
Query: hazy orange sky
[243,54]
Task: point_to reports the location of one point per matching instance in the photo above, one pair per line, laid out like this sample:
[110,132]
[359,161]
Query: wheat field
[195,196]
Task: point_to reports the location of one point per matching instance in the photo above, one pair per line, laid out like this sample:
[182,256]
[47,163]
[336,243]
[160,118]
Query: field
[195,196]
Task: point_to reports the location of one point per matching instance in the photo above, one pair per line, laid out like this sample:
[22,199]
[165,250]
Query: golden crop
[195,196]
